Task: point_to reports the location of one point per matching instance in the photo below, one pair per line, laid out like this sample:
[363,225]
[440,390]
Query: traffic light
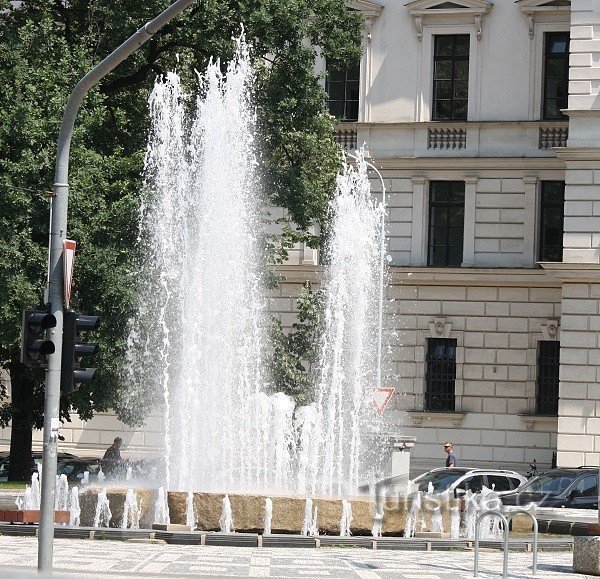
[73,350]
[34,345]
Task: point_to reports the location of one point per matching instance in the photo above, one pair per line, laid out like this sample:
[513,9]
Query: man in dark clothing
[451,460]
[112,457]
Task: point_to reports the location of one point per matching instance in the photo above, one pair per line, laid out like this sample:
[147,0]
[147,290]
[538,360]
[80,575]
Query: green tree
[45,47]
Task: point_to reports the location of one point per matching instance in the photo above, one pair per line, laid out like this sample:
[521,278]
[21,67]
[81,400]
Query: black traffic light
[73,350]
[34,345]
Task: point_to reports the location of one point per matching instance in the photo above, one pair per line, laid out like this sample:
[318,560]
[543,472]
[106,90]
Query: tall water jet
[74,508]
[412,519]
[36,491]
[226,520]
[61,496]
[201,279]
[103,513]
[347,369]
[161,508]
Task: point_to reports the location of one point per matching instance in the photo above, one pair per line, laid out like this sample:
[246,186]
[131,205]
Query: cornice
[470,164]
[369,9]
[573,272]
[591,154]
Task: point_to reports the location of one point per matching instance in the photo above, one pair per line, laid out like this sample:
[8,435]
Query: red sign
[380,398]
[68,258]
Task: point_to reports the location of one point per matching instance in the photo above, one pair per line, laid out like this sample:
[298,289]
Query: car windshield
[440,480]
[549,483]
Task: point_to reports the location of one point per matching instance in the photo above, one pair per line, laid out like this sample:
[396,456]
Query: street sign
[380,398]
[68,258]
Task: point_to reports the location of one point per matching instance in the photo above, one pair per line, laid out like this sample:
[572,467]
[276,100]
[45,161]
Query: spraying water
[190,515]
[199,336]
[103,513]
[74,508]
[161,508]
[346,520]
[131,511]
[226,520]
[61,496]
[268,516]
[36,491]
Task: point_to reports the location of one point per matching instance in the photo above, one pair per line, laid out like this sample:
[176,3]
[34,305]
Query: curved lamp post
[381,268]
[58,233]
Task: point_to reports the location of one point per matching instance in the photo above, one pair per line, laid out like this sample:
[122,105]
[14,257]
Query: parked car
[457,481]
[36,457]
[74,469]
[575,488]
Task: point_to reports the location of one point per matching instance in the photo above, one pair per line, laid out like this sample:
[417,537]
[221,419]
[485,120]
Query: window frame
[434,398]
[565,77]
[545,205]
[357,68]
[453,59]
[547,393]
[431,205]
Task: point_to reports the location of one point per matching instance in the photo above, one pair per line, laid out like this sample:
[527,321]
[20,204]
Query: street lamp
[58,233]
[381,267]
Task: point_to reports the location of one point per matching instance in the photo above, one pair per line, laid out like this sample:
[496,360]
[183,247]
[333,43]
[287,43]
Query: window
[552,212]
[587,486]
[446,223]
[547,377]
[473,483]
[499,483]
[450,77]
[556,74]
[440,374]
[342,86]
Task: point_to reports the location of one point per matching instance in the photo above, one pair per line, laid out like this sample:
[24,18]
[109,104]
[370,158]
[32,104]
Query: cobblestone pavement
[118,559]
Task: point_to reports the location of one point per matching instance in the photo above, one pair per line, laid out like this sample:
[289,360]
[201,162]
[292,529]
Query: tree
[45,47]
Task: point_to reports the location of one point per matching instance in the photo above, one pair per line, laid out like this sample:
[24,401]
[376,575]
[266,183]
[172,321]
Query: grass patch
[12,485]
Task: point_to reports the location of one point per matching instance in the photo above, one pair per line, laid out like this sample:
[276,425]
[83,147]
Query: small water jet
[346,520]
[226,520]
[414,513]
[103,513]
[86,478]
[61,495]
[190,515]
[437,524]
[268,516]
[129,474]
[100,477]
[455,522]
[131,511]
[36,491]
[161,508]
[74,508]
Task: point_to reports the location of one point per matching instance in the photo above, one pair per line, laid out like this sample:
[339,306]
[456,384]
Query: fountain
[346,521]
[202,283]
[36,491]
[161,508]
[61,496]
[131,511]
[190,516]
[103,513]
[74,508]
[226,520]
[268,516]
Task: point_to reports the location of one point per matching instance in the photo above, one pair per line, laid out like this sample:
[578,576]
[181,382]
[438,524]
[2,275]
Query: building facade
[484,119]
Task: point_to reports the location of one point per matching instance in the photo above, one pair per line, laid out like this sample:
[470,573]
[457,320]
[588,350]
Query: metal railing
[506,520]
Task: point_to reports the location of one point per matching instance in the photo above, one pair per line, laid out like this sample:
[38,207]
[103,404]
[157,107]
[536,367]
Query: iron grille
[547,377]
[440,374]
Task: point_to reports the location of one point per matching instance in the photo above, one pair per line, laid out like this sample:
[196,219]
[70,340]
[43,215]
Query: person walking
[451,460]
[111,460]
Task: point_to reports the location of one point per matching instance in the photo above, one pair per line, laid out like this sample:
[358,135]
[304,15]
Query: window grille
[548,364]
[450,77]
[552,211]
[440,374]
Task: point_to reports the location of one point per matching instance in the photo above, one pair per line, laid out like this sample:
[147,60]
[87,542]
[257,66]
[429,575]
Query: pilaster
[418,255]
[469,226]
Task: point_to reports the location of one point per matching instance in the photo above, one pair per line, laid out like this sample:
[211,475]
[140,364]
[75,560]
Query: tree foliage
[46,46]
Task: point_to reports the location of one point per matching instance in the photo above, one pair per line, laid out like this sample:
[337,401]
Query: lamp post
[58,233]
[381,268]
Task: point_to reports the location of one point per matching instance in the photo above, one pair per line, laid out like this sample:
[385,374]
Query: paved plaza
[118,559]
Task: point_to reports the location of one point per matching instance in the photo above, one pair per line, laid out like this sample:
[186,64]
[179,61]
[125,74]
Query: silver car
[457,481]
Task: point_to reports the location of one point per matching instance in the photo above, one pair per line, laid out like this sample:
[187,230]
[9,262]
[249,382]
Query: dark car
[74,469]
[574,488]
[36,456]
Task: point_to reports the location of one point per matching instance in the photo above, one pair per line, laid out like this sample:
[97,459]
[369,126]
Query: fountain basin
[30,516]
[249,511]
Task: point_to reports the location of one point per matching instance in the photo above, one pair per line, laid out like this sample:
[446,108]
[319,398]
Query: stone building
[484,120]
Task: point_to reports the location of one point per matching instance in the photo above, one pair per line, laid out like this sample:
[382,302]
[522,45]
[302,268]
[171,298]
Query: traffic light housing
[73,350]
[34,346]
